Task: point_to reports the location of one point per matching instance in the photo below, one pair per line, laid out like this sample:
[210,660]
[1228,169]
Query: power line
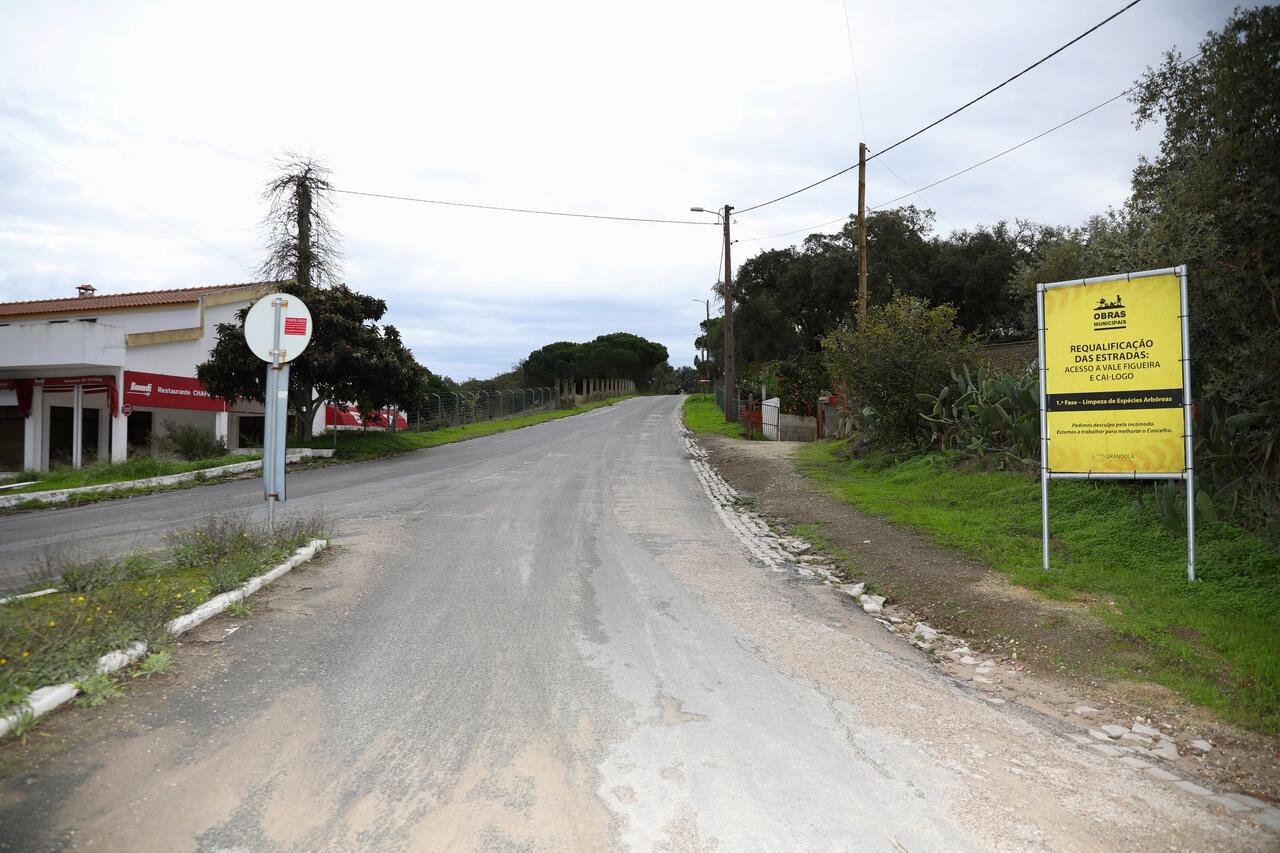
[902,181]
[954,112]
[1001,154]
[797,192]
[883,163]
[720,267]
[1013,148]
[750,236]
[959,109]
[810,228]
[844,6]
[525,209]
[1008,150]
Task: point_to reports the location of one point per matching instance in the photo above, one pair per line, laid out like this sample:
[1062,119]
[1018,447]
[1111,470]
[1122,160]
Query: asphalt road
[548,640]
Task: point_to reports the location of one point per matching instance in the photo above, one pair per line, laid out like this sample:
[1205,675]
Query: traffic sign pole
[277,329]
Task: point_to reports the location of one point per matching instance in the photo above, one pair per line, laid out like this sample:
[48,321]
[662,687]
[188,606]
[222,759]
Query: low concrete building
[87,377]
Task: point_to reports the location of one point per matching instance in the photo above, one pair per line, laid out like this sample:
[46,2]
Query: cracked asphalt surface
[547,640]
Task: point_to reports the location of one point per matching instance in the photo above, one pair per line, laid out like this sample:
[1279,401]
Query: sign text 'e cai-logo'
[1109,315]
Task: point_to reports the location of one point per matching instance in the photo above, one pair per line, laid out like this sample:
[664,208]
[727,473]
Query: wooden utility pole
[730,377]
[862,231]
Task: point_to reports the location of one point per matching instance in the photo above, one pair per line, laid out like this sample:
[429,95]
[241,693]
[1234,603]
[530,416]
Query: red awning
[349,416]
[88,384]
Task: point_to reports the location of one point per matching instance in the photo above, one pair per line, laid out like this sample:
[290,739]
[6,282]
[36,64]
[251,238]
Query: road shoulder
[1041,648]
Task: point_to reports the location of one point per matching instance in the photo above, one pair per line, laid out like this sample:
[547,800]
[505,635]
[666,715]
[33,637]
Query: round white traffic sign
[292,335]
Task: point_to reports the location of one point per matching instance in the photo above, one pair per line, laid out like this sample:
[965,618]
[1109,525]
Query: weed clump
[107,604]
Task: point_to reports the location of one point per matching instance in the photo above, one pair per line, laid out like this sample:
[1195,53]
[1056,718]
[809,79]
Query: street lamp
[730,373]
[706,364]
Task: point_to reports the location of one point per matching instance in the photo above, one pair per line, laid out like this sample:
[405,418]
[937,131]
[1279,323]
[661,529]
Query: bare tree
[301,241]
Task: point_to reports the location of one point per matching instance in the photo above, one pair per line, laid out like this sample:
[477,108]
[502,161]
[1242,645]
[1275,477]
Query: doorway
[61,433]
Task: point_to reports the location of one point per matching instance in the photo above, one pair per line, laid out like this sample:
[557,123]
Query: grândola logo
[1108,315]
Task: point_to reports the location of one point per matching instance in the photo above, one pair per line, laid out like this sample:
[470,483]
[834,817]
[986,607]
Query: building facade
[89,377]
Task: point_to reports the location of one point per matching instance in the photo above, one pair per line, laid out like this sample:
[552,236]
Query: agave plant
[1236,461]
[994,418]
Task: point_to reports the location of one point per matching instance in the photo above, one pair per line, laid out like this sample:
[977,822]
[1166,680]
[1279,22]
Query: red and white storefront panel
[160,390]
[88,385]
[350,417]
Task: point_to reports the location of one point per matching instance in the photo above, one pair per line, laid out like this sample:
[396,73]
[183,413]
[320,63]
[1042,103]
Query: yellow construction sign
[1114,381]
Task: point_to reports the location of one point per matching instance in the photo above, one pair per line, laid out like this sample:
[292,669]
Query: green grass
[1215,642]
[66,477]
[355,445]
[702,415]
[107,604]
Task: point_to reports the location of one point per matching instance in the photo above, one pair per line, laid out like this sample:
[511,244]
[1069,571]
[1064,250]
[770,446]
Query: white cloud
[177,110]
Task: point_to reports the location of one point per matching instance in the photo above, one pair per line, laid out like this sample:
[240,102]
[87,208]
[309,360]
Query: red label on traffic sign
[295,325]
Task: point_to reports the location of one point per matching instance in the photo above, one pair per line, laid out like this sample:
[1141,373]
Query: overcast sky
[135,139]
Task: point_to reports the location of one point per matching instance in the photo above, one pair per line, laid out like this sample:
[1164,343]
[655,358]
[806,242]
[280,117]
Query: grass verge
[66,477]
[701,414]
[107,604]
[354,446]
[1215,642]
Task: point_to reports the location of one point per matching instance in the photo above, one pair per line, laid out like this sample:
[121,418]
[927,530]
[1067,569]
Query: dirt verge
[1041,653]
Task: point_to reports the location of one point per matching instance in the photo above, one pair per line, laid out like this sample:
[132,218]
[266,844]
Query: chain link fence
[466,407]
[455,408]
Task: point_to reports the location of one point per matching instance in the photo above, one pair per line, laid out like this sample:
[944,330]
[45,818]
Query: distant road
[344,492]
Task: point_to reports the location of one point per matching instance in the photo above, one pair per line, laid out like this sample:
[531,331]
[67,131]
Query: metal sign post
[1113,376]
[277,329]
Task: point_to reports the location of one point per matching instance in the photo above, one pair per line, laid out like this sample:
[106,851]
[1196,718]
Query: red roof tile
[108,301]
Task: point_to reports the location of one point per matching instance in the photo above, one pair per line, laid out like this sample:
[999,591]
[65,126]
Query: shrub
[190,442]
[989,417]
[901,350]
[797,382]
[98,689]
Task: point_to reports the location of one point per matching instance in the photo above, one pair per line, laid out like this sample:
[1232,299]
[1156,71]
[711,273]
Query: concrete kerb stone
[780,554]
[44,699]
[62,495]
[26,595]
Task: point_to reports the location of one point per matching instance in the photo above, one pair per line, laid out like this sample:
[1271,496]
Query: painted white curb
[35,594]
[60,495]
[43,700]
[312,452]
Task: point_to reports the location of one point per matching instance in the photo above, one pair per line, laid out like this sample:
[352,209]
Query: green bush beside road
[1215,642]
